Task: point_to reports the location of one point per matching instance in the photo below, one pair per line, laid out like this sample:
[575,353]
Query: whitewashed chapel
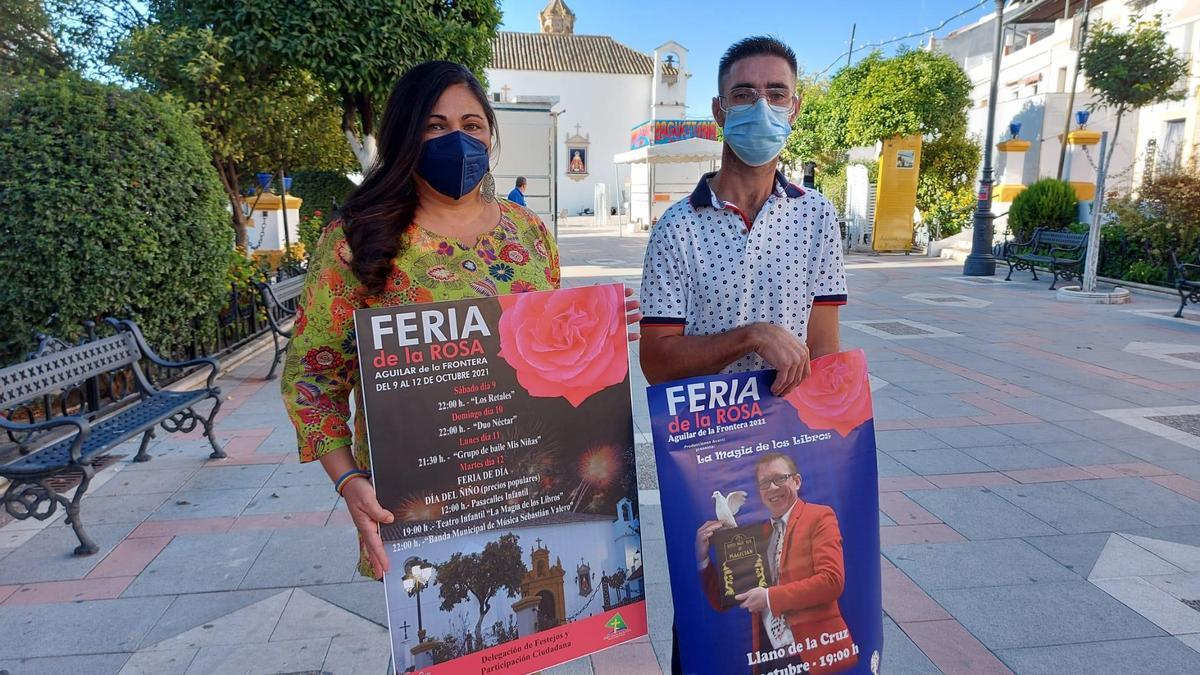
[610,99]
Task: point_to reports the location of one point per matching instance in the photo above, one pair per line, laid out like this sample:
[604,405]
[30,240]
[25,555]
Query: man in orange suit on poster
[795,620]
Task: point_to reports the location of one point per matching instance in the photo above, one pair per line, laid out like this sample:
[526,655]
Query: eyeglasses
[778,481]
[741,98]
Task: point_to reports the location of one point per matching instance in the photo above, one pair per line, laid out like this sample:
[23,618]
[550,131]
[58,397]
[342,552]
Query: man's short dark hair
[771,457]
[758,45]
[520,181]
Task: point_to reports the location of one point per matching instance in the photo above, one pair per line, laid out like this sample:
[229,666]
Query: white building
[1041,39]
[605,90]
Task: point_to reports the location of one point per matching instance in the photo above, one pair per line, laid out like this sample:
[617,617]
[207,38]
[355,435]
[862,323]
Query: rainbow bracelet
[349,476]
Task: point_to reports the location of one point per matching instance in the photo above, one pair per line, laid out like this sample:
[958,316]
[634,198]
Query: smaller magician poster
[501,437]
[771,514]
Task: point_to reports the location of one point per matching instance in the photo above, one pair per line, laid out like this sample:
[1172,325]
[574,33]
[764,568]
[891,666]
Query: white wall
[525,143]
[605,106]
[1184,35]
[1041,105]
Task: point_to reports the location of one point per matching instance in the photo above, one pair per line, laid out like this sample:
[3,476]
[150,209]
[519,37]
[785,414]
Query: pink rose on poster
[837,395]
[569,343]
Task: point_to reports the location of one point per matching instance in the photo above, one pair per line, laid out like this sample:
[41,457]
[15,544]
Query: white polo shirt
[711,269]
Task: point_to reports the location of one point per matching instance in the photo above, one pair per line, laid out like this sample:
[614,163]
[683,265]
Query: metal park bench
[1187,282]
[56,378]
[280,299]
[1058,251]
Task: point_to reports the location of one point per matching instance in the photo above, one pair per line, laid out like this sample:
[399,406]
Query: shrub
[948,211]
[1146,272]
[1163,218]
[320,189]
[1116,252]
[109,206]
[1169,215]
[311,229]
[1048,203]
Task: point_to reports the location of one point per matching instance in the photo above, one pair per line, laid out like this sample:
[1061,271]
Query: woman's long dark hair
[378,212]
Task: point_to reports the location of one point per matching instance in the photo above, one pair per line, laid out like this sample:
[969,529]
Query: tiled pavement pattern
[1040,501]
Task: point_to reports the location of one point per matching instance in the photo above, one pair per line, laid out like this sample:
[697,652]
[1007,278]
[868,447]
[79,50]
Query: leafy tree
[28,46]
[250,120]
[820,129]
[916,92]
[359,51]
[1130,69]
[482,576]
[90,31]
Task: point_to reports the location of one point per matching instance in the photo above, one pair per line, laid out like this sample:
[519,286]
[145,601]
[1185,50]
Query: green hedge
[1048,203]
[109,206]
[320,189]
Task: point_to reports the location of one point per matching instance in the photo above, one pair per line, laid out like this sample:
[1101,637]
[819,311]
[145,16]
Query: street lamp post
[981,262]
[419,575]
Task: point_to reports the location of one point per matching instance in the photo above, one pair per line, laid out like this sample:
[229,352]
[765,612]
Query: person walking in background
[517,196]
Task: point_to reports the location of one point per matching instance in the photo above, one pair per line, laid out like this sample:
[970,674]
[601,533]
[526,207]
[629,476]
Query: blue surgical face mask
[757,134]
[454,163]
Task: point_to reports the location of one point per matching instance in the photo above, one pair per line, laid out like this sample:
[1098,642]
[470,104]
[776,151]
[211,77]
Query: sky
[818,30]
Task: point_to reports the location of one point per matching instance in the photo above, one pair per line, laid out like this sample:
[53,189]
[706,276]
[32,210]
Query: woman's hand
[366,513]
[633,313]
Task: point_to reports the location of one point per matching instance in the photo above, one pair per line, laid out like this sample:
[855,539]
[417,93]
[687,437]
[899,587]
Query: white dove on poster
[728,506]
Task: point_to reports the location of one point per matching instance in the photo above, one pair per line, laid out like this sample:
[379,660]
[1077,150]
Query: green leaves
[107,200]
[1132,68]
[352,51]
[1048,203]
[916,92]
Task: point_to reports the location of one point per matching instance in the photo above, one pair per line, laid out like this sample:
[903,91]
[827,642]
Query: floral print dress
[321,370]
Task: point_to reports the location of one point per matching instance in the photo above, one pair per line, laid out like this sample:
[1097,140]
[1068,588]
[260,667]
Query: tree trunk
[227,171]
[1112,143]
[358,113]
[483,609]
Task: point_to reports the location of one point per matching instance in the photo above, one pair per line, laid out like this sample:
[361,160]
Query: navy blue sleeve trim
[830,300]
[663,320]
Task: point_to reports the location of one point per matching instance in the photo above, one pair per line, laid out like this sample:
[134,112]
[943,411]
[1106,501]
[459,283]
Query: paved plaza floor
[1040,501]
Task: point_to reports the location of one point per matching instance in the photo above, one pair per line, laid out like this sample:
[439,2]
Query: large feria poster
[770,508]
[501,437]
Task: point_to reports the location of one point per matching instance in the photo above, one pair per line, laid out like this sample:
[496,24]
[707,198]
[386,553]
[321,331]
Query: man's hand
[754,600]
[785,352]
[702,536]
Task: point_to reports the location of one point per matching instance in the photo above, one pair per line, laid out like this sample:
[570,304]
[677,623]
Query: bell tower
[556,17]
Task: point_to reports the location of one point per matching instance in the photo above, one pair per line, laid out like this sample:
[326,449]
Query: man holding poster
[746,274]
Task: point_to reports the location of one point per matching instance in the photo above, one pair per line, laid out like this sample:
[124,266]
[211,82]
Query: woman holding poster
[425,225]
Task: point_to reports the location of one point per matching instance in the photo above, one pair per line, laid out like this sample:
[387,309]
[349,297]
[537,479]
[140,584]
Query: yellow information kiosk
[896,198]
